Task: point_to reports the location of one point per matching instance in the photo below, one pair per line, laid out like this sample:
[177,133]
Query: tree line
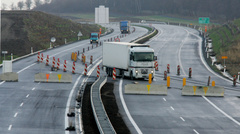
[216,9]
[28,4]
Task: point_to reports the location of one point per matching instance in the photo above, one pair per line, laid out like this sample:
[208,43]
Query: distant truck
[94,37]
[129,59]
[125,26]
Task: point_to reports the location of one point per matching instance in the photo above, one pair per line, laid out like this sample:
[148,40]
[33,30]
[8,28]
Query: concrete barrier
[203,90]
[145,89]
[9,76]
[53,77]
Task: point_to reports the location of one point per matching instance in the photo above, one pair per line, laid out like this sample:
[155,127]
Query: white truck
[129,59]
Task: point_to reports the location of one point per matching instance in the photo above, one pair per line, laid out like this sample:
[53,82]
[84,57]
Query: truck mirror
[155,58]
[131,57]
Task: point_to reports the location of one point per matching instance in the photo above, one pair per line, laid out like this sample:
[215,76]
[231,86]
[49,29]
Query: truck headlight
[91,40]
[152,71]
[136,71]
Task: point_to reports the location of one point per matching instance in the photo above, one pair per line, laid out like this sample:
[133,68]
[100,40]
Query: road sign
[203,20]
[79,34]
[4,52]
[224,57]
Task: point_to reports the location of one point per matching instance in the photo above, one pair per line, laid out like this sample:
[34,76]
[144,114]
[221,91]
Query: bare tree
[3,6]
[13,7]
[28,4]
[20,5]
[37,3]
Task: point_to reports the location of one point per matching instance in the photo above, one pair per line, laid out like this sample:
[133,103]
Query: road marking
[126,109]
[15,115]
[21,104]
[2,82]
[182,118]
[195,131]
[27,96]
[26,68]
[39,83]
[179,53]
[172,108]
[33,88]
[164,99]
[10,127]
[228,116]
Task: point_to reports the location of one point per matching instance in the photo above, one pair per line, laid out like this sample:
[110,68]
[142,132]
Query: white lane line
[26,68]
[228,116]
[2,82]
[172,108]
[15,115]
[182,118]
[33,88]
[126,109]
[27,96]
[10,127]
[164,99]
[21,104]
[195,131]
[179,53]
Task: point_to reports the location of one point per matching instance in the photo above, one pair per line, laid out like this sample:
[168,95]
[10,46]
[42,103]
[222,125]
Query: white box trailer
[129,59]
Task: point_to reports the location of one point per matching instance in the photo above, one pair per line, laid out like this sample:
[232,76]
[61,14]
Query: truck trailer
[125,26]
[129,59]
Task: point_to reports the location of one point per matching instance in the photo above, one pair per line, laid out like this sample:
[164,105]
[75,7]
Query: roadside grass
[226,42]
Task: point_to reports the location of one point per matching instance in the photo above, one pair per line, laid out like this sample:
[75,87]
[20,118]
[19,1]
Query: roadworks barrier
[203,91]
[9,76]
[53,77]
[145,89]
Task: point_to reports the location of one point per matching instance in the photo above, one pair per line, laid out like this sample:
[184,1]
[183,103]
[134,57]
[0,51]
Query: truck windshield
[143,56]
[94,36]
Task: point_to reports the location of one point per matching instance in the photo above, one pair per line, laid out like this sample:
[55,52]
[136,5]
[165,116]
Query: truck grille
[144,71]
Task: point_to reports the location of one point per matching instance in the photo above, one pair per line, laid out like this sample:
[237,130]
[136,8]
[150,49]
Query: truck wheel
[131,75]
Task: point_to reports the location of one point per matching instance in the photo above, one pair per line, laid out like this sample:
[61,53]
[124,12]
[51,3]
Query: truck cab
[94,37]
[125,27]
[141,62]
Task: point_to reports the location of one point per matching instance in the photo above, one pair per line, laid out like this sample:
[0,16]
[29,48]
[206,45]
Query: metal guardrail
[144,36]
[100,115]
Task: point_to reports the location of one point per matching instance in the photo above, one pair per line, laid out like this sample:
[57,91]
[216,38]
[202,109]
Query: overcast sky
[9,2]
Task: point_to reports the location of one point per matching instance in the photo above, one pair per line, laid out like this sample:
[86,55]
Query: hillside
[226,42]
[22,30]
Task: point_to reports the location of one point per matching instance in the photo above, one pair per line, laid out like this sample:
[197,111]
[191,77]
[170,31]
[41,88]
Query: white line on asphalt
[15,115]
[126,109]
[26,68]
[27,96]
[231,118]
[172,108]
[10,127]
[164,99]
[195,131]
[182,118]
[33,88]
[2,82]
[21,104]
[179,53]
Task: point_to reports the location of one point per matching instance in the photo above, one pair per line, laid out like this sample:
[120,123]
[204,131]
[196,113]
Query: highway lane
[30,107]
[175,113]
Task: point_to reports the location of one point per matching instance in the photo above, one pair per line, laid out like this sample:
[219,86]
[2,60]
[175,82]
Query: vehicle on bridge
[129,59]
[94,37]
[125,26]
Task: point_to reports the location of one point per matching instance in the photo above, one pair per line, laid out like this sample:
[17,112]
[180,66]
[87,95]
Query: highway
[28,107]
[174,113]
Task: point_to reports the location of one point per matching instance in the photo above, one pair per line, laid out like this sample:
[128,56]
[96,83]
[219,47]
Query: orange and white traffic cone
[190,73]
[58,64]
[38,57]
[114,74]
[98,71]
[47,60]
[53,62]
[165,75]
[42,58]
[91,58]
[85,70]
[65,66]
[73,68]
[156,66]
[178,70]
[82,57]
[168,68]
